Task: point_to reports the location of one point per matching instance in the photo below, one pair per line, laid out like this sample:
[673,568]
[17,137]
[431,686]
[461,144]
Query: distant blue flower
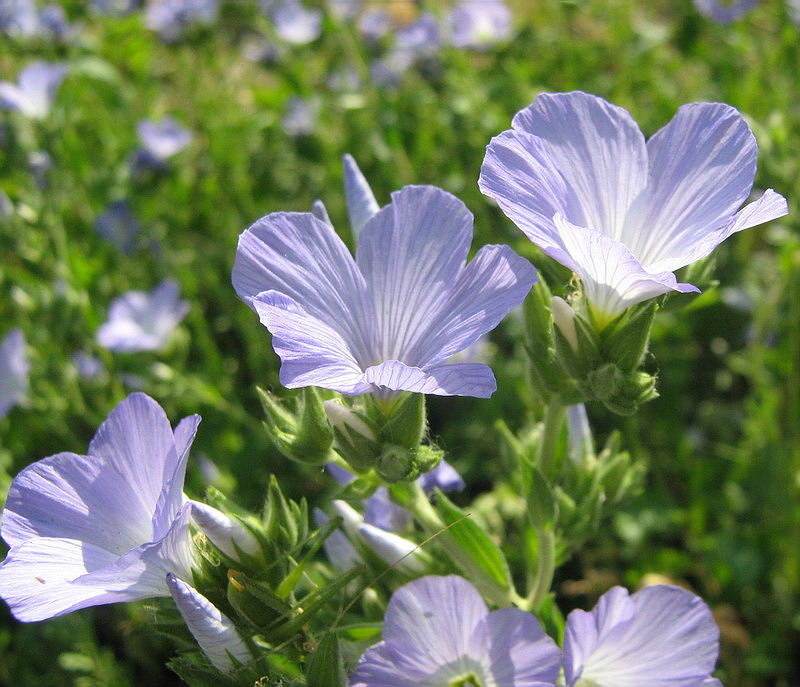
[421,37]
[104,527]
[14,369]
[139,321]
[214,631]
[479,24]
[374,24]
[438,632]
[660,636]
[33,96]
[345,9]
[88,366]
[388,320]
[19,18]
[114,8]
[724,11]
[171,18]
[300,117]
[575,175]
[579,434]
[295,23]
[118,226]
[40,163]
[162,139]
[53,22]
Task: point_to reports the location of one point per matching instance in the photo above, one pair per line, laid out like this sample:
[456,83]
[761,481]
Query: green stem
[553,419]
[545,569]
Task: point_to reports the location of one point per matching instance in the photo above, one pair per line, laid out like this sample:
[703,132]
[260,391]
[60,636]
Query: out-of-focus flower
[479,24]
[88,366]
[300,117]
[345,9]
[438,632]
[118,226]
[661,636]
[40,163]
[19,18]
[171,18]
[576,176]
[421,38]
[36,90]
[161,140]
[14,369]
[579,434]
[388,320]
[722,11]
[295,23]
[214,631]
[340,552]
[140,321]
[114,8]
[53,22]
[374,24]
[105,527]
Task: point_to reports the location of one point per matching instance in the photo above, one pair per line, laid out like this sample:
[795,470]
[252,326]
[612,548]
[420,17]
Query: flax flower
[14,369]
[438,632]
[36,90]
[104,527]
[661,636]
[388,320]
[575,174]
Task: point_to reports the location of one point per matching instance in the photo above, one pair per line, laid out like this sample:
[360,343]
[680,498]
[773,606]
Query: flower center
[468,680]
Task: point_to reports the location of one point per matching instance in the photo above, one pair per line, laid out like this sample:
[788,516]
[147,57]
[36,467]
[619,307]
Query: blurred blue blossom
[40,163]
[87,365]
[35,91]
[139,321]
[53,22]
[14,369]
[421,38]
[300,117]
[439,632]
[171,18]
[479,24]
[295,23]
[114,8]
[160,139]
[19,18]
[118,226]
[724,11]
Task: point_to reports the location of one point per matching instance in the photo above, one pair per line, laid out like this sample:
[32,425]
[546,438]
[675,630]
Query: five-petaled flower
[390,319]
[36,91]
[574,173]
[438,632]
[105,527]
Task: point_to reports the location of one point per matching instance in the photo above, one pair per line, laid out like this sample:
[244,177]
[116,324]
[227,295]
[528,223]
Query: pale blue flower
[724,11]
[88,366]
[479,24]
[661,636]
[300,117]
[113,8]
[139,321]
[388,320]
[224,531]
[14,370]
[19,18]
[35,91]
[104,527]
[576,176]
[161,139]
[295,23]
[438,632]
[421,38]
[118,226]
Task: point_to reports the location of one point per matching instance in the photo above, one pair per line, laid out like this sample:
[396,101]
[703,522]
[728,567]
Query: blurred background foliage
[720,511]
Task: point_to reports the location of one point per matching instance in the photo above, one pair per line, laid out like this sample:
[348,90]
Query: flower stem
[553,420]
[545,569]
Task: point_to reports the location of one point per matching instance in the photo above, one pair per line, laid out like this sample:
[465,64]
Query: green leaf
[326,667]
[488,561]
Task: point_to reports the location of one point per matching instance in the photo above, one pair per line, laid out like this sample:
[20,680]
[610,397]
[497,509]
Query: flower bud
[395,550]
[224,532]
[356,440]
[213,630]
[564,319]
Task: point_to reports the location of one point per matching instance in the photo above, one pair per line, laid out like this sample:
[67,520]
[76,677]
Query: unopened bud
[564,318]
[224,532]
[214,631]
[401,553]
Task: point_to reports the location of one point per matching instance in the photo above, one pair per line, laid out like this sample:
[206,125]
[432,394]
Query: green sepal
[399,464]
[287,585]
[404,424]
[325,668]
[285,521]
[625,339]
[254,602]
